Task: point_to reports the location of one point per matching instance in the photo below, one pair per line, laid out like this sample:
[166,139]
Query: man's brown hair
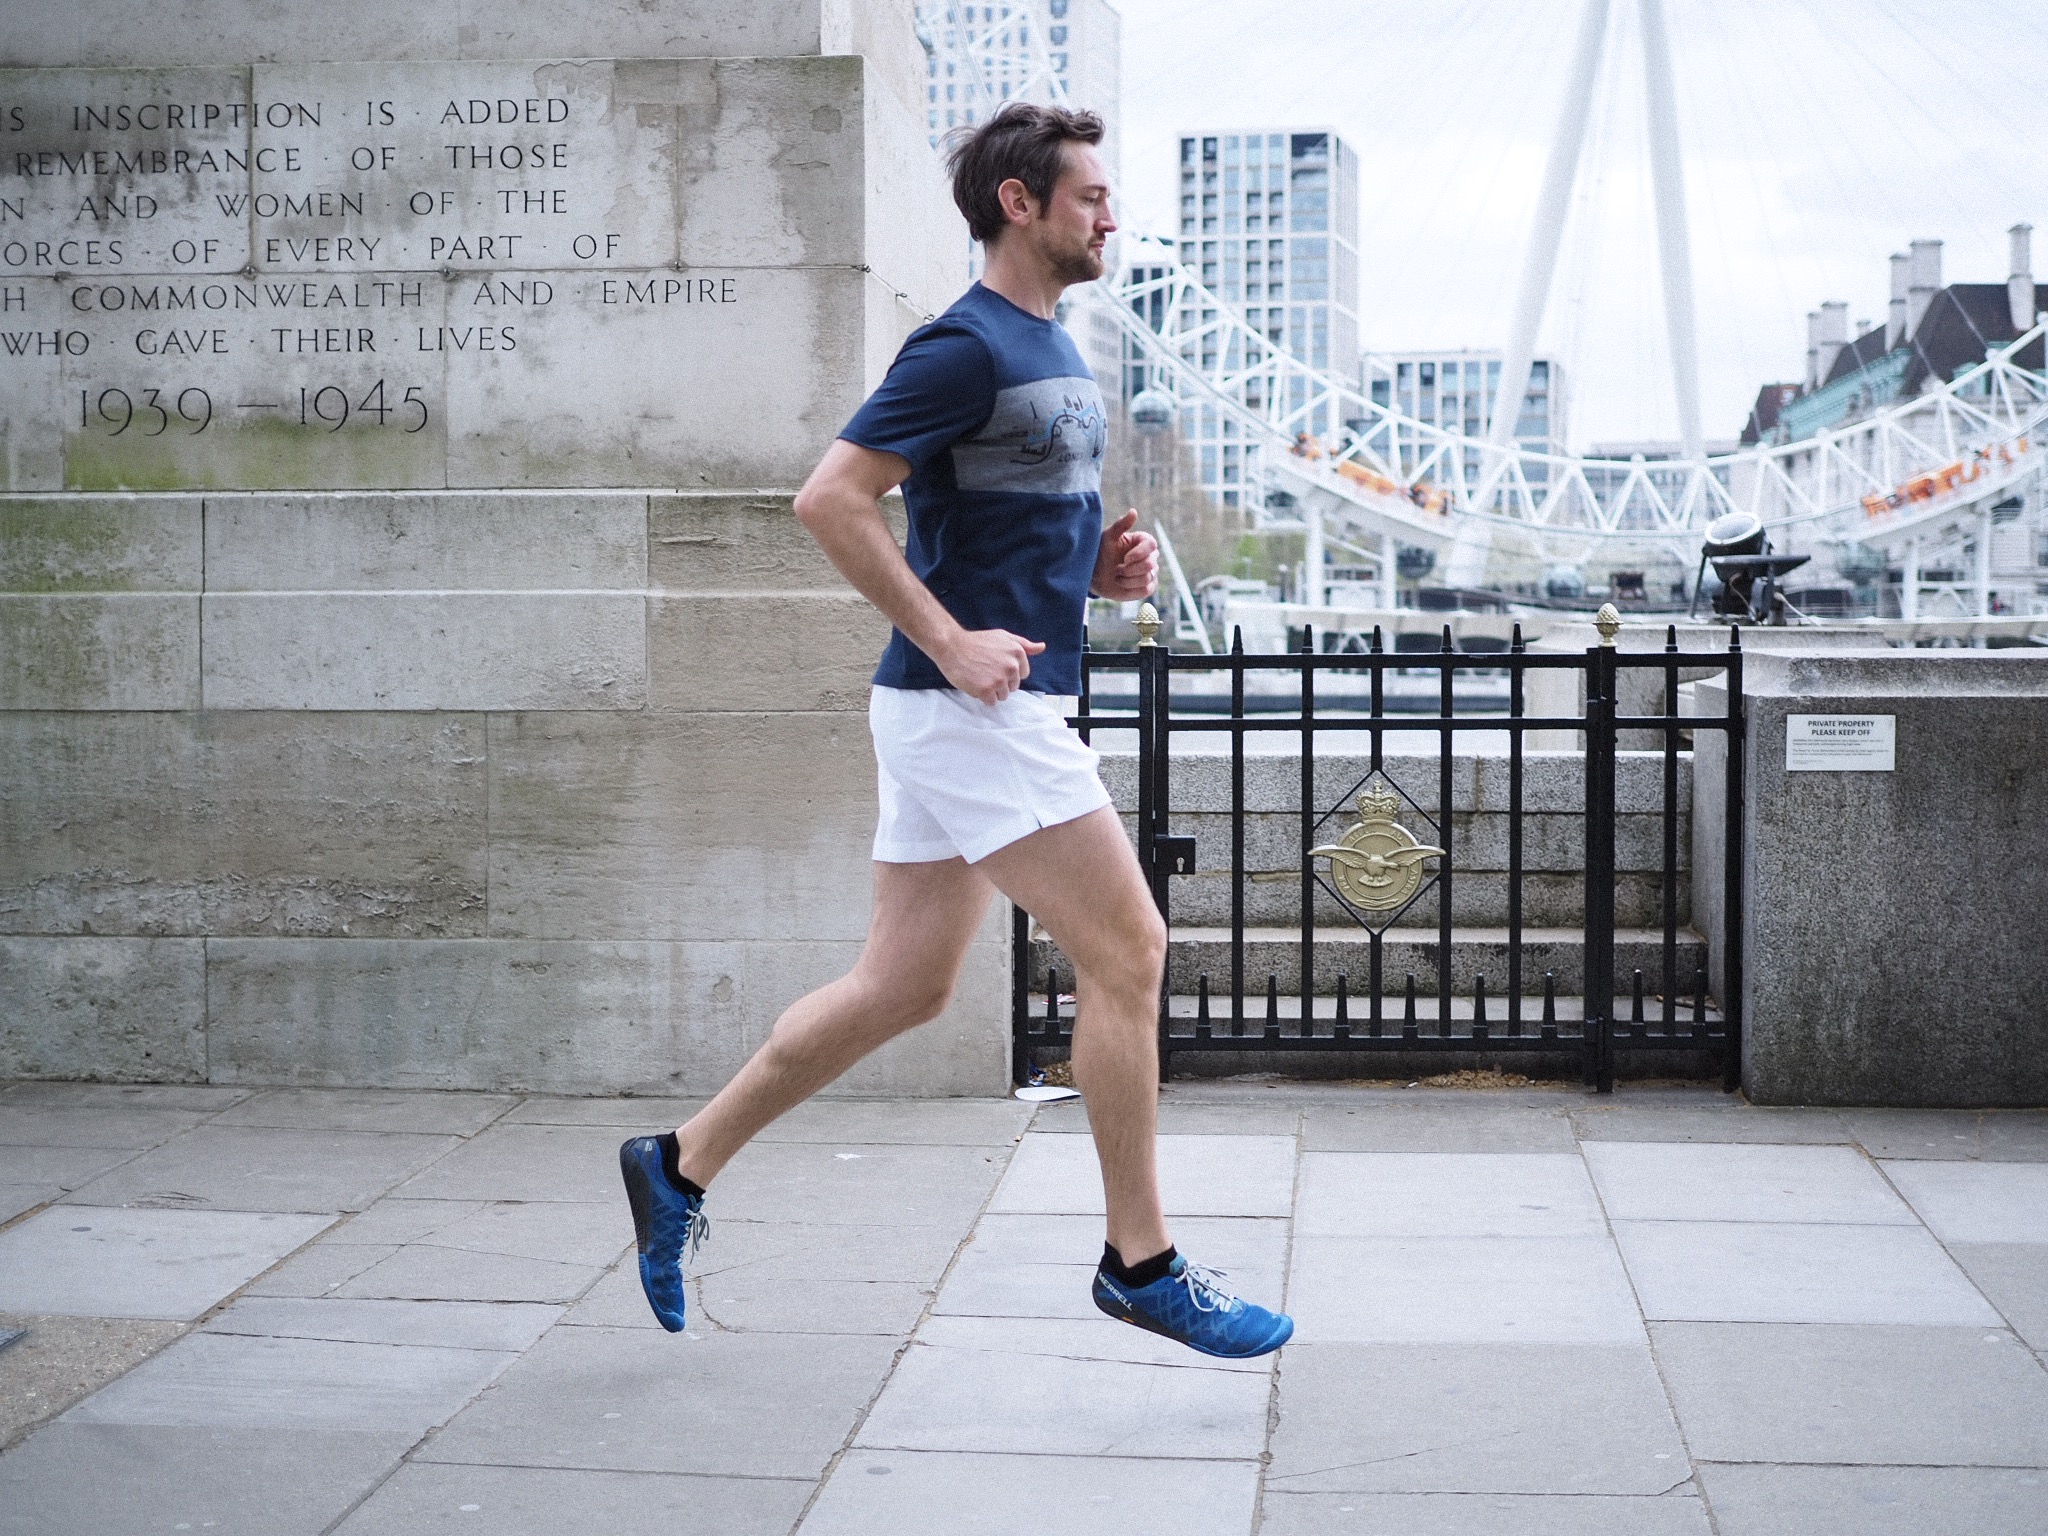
[1024,142]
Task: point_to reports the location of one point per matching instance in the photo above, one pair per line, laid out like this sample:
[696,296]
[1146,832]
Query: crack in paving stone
[1375,1461]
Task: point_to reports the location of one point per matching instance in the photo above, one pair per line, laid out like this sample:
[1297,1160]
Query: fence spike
[1272,1006]
[1202,1008]
[1378,642]
[1635,1010]
[1479,1008]
[1699,1002]
[1549,1005]
[1408,1009]
[1342,1029]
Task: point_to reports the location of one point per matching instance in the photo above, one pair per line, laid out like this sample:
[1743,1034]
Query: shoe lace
[1206,1289]
[700,1228]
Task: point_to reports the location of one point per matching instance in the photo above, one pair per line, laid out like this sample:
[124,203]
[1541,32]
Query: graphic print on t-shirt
[1044,438]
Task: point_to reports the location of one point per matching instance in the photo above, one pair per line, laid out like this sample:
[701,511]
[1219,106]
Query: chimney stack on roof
[1925,282]
[1832,336]
[1895,321]
[2019,288]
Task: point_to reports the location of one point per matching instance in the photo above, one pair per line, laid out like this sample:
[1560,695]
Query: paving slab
[203,1097]
[940,1493]
[646,1116]
[1978,1202]
[2014,1279]
[1430,1125]
[527,1162]
[239,1168]
[858,1184]
[79,1477]
[1450,1290]
[1043,1266]
[1196,1118]
[1198,1176]
[320,1269]
[796,1250]
[131,1127]
[451,1324]
[981,1384]
[92,1262]
[363,1109]
[1877,1501]
[1474,1418]
[933,1122]
[423,1498]
[1731,1121]
[2013,1136]
[738,1404]
[232,1381]
[567,1231]
[749,1303]
[424,1272]
[1446,1194]
[64,1167]
[1928,1396]
[1076,1338]
[1484,1514]
[1937,1134]
[1665,1181]
[1787,1272]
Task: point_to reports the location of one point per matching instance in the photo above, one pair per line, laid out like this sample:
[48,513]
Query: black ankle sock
[671,1158]
[1135,1275]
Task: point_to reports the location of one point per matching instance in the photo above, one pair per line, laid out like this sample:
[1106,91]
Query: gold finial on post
[1608,622]
[1148,624]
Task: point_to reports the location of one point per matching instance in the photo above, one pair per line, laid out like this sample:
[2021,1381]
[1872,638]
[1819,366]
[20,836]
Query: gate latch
[1176,855]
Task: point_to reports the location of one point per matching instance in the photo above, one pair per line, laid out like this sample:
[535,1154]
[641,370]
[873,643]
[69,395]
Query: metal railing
[1371,880]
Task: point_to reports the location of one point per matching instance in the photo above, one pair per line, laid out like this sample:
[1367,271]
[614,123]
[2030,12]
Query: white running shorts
[960,778]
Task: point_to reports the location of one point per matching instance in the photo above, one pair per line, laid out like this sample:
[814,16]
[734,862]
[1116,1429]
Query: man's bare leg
[1082,881]
[924,918]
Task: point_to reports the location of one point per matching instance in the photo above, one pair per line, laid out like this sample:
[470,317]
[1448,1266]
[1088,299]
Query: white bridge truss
[1972,440]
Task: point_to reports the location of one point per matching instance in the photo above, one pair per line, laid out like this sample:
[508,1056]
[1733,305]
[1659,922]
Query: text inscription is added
[388,167]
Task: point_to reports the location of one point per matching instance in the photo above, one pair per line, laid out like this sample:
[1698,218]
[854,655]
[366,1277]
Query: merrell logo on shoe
[1110,1286]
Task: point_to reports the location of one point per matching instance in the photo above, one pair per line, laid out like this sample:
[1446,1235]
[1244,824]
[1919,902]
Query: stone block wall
[514,737]
[431,814]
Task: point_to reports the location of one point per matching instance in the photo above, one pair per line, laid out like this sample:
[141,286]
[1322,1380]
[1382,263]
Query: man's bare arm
[841,506]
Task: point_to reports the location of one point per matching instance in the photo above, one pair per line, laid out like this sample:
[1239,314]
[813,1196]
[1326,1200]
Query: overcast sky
[1819,136]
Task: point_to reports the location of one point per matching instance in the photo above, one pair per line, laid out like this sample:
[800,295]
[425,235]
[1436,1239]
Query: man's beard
[1082,266]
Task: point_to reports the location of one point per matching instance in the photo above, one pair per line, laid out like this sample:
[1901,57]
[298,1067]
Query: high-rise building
[1269,222]
[1455,388]
[1081,48]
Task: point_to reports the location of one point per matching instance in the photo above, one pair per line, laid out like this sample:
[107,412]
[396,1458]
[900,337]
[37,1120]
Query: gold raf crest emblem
[1377,864]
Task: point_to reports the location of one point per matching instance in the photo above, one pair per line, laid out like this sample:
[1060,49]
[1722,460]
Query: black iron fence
[1381,952]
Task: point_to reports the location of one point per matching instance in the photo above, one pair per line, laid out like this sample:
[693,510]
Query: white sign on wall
[1840,743]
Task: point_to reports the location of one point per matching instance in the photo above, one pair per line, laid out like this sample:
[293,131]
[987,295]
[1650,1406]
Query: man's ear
[1016,201]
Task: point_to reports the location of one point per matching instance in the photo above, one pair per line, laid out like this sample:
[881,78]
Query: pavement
[1521,1312]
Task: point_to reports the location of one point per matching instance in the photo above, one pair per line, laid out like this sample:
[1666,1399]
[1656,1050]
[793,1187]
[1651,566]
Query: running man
[993,426]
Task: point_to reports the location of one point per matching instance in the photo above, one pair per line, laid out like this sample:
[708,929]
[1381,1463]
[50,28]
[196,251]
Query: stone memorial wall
[411,670]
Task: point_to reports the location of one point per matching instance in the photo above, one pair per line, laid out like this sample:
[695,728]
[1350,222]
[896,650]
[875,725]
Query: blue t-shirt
[1003,429]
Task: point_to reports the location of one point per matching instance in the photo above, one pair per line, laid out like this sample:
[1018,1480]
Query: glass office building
[1269,222]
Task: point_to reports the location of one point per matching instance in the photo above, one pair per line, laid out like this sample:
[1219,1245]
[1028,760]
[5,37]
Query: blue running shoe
[1192,1306]
[665,1220]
